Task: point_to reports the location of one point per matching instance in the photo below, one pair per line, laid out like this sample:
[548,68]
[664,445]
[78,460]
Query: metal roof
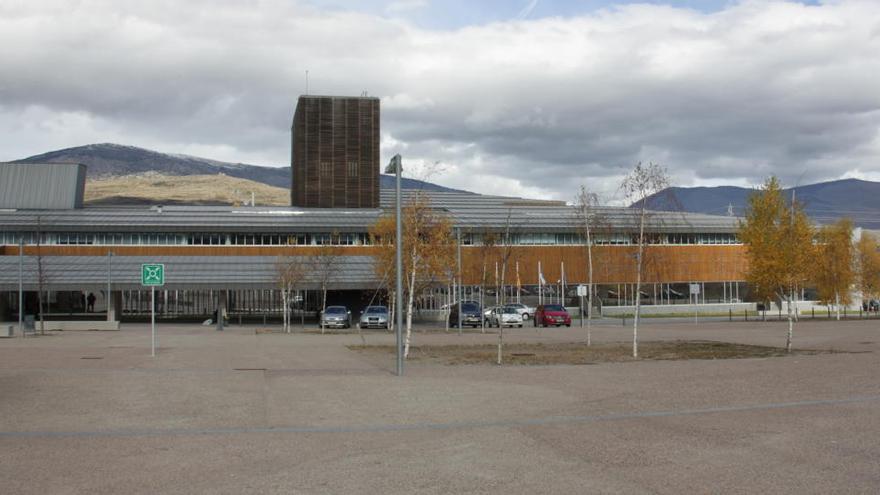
[42,185]
[468,210]
[181,272]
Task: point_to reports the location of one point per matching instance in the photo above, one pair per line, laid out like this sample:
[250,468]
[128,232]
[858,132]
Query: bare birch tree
[290,272]
[42,278]
[327,262]
[638,185]
[588,216]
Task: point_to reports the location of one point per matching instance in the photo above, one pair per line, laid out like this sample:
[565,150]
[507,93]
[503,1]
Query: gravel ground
[237,412]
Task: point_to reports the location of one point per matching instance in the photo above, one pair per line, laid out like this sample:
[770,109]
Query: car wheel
[525,316]
[520,325]
[568,324]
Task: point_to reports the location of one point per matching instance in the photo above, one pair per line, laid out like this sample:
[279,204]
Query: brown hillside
[155,188]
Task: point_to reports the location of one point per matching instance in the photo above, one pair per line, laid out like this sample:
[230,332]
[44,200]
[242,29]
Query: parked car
[487,312]
[470,314]
[336,317]
[551,314]
[507,316]
[525,311]
[374,317]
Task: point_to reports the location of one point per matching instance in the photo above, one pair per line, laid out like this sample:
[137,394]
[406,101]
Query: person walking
[91,301]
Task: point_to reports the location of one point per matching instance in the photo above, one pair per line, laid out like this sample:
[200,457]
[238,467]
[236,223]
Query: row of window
[539,239]
[345,239]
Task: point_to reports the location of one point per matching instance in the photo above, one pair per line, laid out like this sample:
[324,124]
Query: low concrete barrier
[78,325]
[684,309]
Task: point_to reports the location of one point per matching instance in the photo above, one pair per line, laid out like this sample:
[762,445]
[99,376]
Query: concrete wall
[661,309]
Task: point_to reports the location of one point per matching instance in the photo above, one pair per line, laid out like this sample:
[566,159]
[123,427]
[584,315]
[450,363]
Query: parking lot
[241,411]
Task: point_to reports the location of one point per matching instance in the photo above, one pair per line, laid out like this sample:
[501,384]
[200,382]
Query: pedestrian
[91,301]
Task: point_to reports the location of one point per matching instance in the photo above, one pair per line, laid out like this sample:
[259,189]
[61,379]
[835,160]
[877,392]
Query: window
[326,170]
[352,169]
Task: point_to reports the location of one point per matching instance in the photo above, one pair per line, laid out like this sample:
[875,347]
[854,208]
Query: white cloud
[534,107]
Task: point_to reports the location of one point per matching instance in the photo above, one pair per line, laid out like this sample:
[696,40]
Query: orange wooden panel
[611,264]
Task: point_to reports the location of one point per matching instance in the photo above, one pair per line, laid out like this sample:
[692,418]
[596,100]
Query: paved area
[237,412]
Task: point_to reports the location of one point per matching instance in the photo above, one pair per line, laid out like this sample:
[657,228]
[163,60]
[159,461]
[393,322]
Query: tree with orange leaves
[427,253]
[779,247]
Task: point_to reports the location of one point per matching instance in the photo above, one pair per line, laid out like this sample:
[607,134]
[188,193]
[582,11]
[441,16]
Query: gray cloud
[520,107]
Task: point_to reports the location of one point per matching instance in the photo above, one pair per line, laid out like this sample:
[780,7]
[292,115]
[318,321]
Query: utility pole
[21,284]
[458,241]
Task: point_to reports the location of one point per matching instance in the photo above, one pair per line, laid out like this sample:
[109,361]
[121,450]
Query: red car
[551,314]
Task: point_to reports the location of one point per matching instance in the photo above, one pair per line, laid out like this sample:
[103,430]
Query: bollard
[814,312]
[746,313]
[729,315]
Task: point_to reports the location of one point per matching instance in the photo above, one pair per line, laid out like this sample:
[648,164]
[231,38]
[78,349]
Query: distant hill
[824,202]
[152,188]
[116,160]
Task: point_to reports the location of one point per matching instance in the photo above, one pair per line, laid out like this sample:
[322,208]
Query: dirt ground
[575,353]
[241,412]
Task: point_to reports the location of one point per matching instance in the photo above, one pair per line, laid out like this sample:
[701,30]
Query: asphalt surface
[240,412]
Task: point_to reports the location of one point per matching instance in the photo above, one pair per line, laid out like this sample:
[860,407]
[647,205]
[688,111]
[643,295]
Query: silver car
[336,317]
[505,316]
[374,317]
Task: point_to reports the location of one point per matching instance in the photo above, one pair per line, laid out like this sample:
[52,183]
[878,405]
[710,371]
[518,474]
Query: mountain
[151,188]
[116,160]
[824,202]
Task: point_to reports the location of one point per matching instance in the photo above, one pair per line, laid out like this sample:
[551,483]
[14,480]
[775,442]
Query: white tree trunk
[590,287]
[638,298]
[284,327]
[409,312]
[837,303]
[500,342]
[790,326]
[391,309]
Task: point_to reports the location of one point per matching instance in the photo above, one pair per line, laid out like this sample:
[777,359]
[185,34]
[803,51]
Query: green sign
[153,274]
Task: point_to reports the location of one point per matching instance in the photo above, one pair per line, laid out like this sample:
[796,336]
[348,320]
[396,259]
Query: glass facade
[344,239]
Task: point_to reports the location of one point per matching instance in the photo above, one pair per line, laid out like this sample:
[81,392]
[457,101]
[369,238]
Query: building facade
[335,152]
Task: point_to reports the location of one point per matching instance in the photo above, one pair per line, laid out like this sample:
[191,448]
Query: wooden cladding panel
[611,264]
[330,135]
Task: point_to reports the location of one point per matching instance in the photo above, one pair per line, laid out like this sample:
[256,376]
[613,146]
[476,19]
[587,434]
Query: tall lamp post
[395,166]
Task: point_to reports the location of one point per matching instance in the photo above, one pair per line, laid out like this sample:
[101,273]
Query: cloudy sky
[524,97]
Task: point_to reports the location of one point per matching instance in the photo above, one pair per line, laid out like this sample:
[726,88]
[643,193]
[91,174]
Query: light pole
[395,166]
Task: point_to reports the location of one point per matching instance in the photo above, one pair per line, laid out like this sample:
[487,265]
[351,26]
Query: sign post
[152,275]
[581,292]
[695,293]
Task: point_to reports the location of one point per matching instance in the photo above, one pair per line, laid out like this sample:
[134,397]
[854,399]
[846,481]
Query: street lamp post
[395,166]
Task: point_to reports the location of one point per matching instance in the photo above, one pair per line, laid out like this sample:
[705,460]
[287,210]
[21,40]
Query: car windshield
[470,307]
[508,309]
[553,307]
[376,310]
[335,309]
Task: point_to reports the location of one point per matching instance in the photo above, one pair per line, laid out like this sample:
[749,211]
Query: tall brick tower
[335,152]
